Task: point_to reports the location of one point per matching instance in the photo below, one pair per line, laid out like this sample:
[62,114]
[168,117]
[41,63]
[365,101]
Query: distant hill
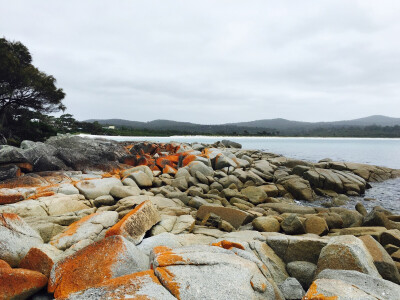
[268,126]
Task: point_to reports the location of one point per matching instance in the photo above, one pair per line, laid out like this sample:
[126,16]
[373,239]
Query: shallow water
[380,152]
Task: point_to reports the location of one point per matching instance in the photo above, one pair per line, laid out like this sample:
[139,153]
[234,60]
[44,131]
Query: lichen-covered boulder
[345,284]
[141,285]
[16,238]
[20,283]
[109,258]
[211,272]
[41,259]
[91,227]
[136,223]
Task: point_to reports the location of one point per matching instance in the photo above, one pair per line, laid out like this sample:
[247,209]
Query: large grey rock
[9,171]
[264,167]
[198,166]
[296,248]
[266,224]
[109,258]
[207,272]
[141,179]
[223,161]
[143,285]
[136,223]
[120,192]
[346,252]
[289,208]
[91,227]
[338,181]
[375,287]
[230,179]
[144,169]
[16,238]
[234,216]
[382,260]
[9,155]
[53,205]
[92,189]
[85,154]
[163,239]
[173,224]
[298,187]
[274,264]
[336,289]
[291,289]
[292,225]
[303,271]
[231,144]
[256,195]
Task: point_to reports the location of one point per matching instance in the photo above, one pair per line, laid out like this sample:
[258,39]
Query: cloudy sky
[215,61]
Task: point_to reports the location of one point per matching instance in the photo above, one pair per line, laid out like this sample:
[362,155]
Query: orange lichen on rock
[4,265]
[41,194]
[37,260]
[169,170]
[23,181]
[20,283]
[10,198]
[312,294]
[26,167]
[87,267]
[167,279]
[116,229]
[131,285]
[137,222]
[164,256]
[71,229]
[228,245]
[188,159]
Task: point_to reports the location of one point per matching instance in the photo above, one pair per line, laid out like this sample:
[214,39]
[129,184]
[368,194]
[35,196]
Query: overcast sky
[215,61]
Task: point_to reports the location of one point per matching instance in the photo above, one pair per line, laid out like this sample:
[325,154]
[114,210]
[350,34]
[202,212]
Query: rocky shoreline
[88,218]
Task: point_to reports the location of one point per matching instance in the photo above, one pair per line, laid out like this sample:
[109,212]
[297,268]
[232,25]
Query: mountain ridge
[276,123]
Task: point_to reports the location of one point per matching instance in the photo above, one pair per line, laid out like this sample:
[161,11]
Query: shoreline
[189,221]
[238,137]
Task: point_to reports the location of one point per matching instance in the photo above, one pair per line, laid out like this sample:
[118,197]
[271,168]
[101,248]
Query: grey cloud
[215,61]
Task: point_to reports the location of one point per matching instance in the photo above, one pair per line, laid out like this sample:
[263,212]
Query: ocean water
[375,151]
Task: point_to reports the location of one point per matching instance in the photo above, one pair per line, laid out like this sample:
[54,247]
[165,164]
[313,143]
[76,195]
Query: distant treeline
[39,127]
[353,131]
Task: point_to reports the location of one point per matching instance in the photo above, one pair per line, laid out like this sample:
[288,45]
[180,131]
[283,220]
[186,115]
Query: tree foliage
[25,92]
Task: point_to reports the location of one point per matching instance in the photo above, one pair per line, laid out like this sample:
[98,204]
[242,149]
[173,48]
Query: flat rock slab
[109,258]
[209,272]
[289,208]
[16,238]
[89,227]
[136,223]
[235,217]
[141,285]
[335,289]
[20,283]
[94,188]
[376,287]
[297,248]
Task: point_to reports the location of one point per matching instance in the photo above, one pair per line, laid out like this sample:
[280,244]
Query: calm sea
[375,151]
[380,152]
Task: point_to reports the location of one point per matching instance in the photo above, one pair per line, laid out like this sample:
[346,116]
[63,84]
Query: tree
[24,88]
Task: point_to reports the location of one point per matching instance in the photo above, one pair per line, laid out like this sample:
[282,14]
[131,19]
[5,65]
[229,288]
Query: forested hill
[369,126]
